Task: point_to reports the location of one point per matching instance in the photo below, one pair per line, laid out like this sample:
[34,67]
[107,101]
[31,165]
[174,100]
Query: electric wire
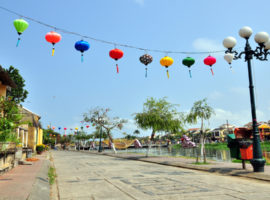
[108,42]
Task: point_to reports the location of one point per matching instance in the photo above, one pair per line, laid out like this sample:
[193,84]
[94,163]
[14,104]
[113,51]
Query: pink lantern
[65,128]
[210,60]
[53,127]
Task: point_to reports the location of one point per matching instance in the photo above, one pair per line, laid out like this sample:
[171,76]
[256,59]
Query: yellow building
[31,133]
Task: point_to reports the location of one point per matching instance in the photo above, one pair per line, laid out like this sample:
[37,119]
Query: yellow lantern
[166,62]
[76,128]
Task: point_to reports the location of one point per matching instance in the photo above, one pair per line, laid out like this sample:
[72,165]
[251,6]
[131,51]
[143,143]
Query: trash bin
[246,150]
[234,146]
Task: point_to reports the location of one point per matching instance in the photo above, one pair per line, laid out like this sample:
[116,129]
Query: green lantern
[188,61]
[20,25]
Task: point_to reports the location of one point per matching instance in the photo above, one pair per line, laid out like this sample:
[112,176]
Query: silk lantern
[188,61]
[116,54]
[166,62]
[53,37]
[146,59]
[210,60]
[82,46]
[20,25]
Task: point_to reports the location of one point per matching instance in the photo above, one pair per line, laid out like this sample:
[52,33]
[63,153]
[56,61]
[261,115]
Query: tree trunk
[111,140]
[150,142]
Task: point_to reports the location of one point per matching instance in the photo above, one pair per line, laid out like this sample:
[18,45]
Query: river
[213,154]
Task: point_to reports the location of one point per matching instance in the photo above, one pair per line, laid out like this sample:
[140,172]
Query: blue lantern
[82,46]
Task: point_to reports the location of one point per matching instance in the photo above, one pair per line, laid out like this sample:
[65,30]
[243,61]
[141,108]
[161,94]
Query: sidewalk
[224,168]
[19,182]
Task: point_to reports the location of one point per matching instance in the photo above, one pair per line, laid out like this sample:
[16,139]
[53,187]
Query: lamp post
[260,53]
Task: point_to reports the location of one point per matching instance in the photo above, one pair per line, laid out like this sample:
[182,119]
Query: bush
[40,148]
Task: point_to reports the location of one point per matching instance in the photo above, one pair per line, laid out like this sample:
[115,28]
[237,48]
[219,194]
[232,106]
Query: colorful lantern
[210,60]
[82,46]
[188,61]
[65,129]
[116,54]
[166,62]
[20,25]
[146,59]
[59,128]
[53,38]
[87,126]
[53,127]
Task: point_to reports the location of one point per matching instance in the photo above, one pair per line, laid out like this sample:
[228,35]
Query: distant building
[221,132]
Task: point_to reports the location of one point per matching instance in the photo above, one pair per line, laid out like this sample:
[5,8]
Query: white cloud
[140,2]
[215,95]
[205,44]
[240,91]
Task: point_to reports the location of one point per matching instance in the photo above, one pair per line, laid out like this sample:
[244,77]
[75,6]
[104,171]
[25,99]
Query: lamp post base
[258,164]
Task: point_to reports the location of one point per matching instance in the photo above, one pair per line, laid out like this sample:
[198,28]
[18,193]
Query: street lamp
[260,53]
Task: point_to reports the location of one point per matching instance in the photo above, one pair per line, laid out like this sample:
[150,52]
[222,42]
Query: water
[213,154]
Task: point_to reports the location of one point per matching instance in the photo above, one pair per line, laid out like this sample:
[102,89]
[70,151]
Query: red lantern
[53,38]
[116,54]
[87,126]
[65,128]
[210,60]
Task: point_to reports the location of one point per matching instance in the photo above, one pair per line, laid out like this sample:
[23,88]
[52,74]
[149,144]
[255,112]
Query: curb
[41,188]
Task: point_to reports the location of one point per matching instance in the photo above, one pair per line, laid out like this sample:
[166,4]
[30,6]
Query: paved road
[88,176]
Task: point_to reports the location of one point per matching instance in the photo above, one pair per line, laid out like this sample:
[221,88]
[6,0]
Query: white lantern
[229,42]
[245,32]
[229,57]
[261,37]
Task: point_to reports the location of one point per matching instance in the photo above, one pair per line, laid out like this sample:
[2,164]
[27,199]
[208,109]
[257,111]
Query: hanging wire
[105,41]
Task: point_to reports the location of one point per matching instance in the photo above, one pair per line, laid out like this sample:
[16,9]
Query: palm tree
[200,110]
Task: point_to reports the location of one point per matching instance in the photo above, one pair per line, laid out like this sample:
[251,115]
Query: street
[99,177]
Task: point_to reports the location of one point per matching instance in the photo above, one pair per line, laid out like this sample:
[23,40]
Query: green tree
[159,116]
[10,119]
[200,111]
[18,94]
[100,117]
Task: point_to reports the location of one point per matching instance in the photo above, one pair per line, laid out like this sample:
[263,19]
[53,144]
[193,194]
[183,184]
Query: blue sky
[61,88]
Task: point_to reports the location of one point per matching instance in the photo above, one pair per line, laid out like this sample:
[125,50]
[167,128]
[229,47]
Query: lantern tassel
[190,73]
[146,72]
[82,58]
[18,42]
[212,71]
[168,75]
[117,68]
[52,51]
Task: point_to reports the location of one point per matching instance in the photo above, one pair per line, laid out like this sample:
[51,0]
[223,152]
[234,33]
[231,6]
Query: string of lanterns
[53,37]
[65,129]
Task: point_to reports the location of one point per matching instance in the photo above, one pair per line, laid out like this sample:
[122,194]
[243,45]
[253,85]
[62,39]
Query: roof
[5,78]
[30,116]
[264,126]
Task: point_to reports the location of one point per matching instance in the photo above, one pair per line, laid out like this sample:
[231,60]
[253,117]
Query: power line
[108,42]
